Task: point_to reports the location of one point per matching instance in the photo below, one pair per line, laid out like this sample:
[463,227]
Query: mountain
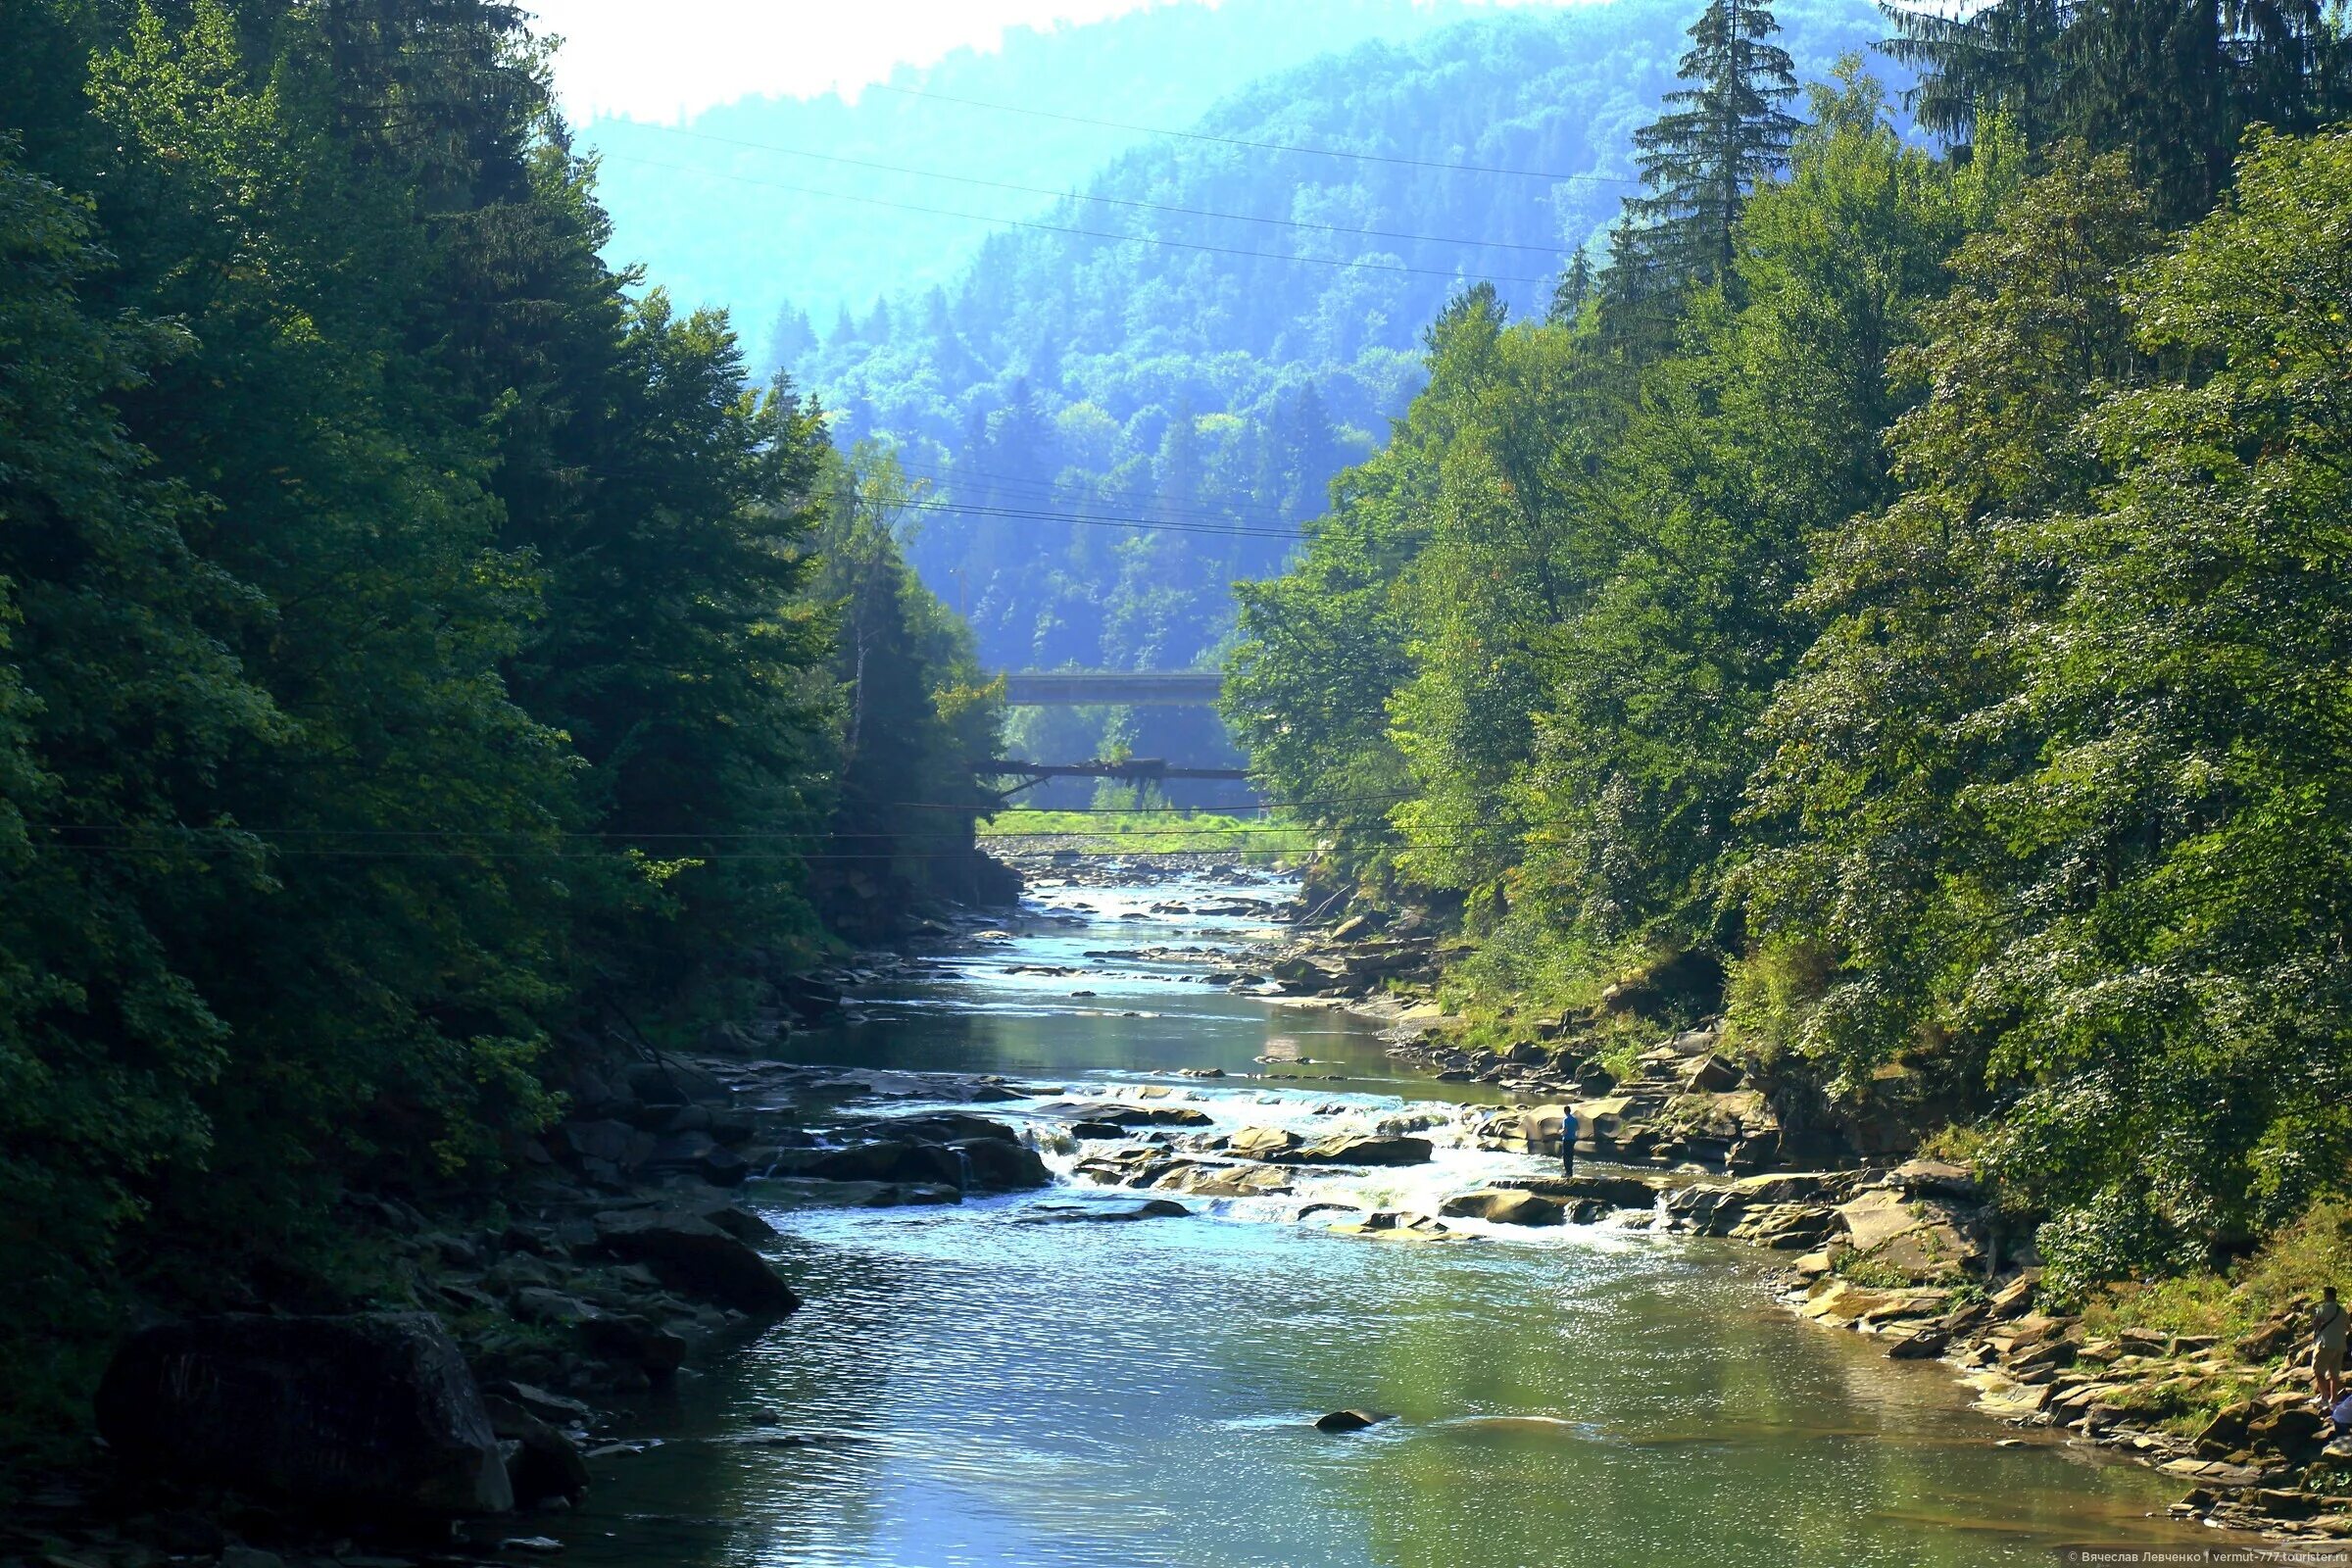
[720,210]
[1186,351]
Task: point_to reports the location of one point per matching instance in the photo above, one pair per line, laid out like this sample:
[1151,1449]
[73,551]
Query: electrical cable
[1262,146]
[1066,228]
[1109,201]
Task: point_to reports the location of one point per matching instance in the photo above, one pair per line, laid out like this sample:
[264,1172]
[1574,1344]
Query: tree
[2175,83]
[1723,135]
[2177,998]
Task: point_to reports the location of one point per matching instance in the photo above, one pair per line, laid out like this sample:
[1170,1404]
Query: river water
[982,1385]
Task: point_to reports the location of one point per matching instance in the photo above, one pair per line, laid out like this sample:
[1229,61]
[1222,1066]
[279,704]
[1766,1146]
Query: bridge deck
[1071,688]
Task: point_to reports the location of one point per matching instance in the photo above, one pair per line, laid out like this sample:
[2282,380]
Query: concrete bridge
[1074,688]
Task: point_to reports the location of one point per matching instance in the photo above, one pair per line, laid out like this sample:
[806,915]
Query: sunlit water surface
[975,1386]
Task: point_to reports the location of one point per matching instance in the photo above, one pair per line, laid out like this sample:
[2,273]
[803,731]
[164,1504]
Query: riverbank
[1904,1250]
[1383,1173]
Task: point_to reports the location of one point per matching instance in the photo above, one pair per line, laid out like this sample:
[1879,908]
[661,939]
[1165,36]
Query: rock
[634,1341]
[1921,1345]
[671,1082]
[936,1127]
[2213,1471]
[1150,1208]
[1502,1206]
[1351,1420]
[370,1413]
[2294,1430]
[550,1309]
[1119,1113]
[616,1143]
[1936,1178]
[1712,1074]
[545,1462]
[894,1160]
[556,1410]
[1921,1236]
[1262,1142]
[1224,1181]
[1361,1149]
[1785,1227]
[2016,1298]
[2226,1430]
[1617,1192]
[994,1166]
[1707,1209]
[699,1261]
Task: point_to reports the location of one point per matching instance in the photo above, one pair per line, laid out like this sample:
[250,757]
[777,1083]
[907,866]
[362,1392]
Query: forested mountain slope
[726,209]
[1213,378]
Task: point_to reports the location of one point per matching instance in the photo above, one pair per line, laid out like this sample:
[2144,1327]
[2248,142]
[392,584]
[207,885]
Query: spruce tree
[1569,294]
[1721,136]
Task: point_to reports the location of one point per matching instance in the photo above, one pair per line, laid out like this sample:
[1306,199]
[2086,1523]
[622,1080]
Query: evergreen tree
[1569,294]
[1724,135]
[2175,83]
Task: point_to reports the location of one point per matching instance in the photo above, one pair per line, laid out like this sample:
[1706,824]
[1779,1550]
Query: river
[977,1384]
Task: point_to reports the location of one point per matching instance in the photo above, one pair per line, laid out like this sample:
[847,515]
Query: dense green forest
[1901,602]
[417,657]
[1211,379]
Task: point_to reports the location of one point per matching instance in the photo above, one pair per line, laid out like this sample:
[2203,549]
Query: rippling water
[979,1386]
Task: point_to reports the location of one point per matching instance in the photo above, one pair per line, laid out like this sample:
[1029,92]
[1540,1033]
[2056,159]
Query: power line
[1262,146]
[1065,228]
[1110,201]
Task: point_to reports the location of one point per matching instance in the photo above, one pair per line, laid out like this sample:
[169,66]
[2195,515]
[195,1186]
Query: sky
[612,63]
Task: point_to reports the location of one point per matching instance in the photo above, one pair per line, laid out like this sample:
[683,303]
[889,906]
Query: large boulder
[936,1127]
[893,1160]
[1924,1238]
[1263,1143]
[370,1414]
[1203,1179]
[1361,1149]
[1502,1206]
[698,1261]
[994,1166]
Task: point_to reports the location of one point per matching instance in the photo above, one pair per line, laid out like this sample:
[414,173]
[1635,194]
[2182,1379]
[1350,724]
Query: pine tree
[2176,83]
[1569,294]
[1720,138]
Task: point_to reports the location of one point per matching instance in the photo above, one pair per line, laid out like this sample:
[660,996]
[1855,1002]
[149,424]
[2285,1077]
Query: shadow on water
[964,1388]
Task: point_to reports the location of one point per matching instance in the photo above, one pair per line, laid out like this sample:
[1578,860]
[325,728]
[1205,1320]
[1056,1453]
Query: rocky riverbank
[1881,1243]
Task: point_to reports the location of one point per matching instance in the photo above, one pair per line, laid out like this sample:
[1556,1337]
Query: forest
[1194,390]
[423,653]
[1898,600]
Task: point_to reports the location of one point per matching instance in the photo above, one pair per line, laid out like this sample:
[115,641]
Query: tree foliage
[413,641]
[1934,618]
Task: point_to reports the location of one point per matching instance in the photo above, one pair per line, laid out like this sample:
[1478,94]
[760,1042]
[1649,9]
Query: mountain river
[974,1385]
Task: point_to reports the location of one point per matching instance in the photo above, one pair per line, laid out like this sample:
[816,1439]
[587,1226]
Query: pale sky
[682,56]
[678,57]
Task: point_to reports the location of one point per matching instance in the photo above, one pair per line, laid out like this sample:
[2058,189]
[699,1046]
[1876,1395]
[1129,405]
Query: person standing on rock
[2328,1333]
[1567,1141]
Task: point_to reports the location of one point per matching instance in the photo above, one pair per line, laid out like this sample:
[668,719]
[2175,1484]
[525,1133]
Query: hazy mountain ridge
[1058,367]
[709,216]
